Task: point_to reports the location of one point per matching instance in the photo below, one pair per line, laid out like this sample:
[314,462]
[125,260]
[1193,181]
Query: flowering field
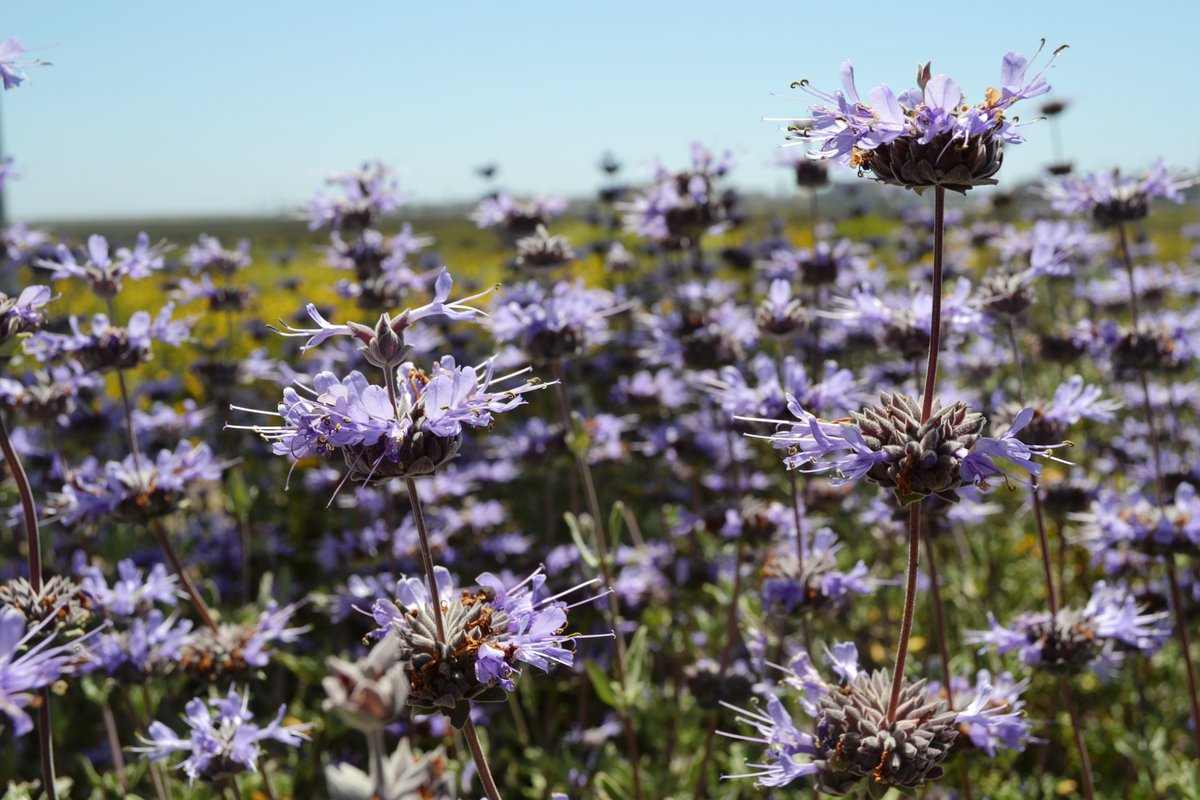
[888,490]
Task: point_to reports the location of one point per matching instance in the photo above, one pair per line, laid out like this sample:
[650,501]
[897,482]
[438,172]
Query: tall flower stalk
[914,510]
[1160,494]
[160,533]
[469,732]
[33,544]
[1039,516]
[602,555]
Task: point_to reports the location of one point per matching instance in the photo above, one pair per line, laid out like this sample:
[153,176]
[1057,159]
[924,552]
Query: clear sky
[166,108]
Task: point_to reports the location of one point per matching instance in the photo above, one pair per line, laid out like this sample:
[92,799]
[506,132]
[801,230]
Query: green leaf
[616,523]
[575,526]
[635,667]
[602,684]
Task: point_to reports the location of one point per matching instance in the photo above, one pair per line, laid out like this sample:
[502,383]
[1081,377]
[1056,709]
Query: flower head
[105,346]
[1094,638]
[222,739]
[888,444]
[927,136]
[515,218]
[854,743]
[364,196]
[103,269]
[680,207]
[1111,198]
[135,489]
[548,324]
[63,603]
[208,255]
[489,631]
[412,431]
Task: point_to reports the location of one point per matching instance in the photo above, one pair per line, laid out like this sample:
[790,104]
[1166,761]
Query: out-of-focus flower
[816,585]
[370,693]
[548,324]
[1095,638]
[1111,198]
[135,489]
[1117,520]
[516,218]
[365,196]
[105,346]
[406,776]
[680,207]
[207,255]
[396,324]
[234,648]
[134,592]
[219,297]
[105,270]
[223,739]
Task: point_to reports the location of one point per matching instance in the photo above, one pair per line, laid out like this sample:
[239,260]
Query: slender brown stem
[46,742]
[914,510]
[127,405]
[1184,645]
[1128,259]
[1085,763]
[481,765]
[33,540]
[1160,491]
[266,779]
[114,745]
[910,602]
[1016,354]
[731,616]
[1044,545]
[731,619]
[164,541]
[935,319]
[33,543]
[435,599]
[939,624]
[797,520]
[814,356]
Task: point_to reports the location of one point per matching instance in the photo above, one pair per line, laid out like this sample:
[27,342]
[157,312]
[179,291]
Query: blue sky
[166,108]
